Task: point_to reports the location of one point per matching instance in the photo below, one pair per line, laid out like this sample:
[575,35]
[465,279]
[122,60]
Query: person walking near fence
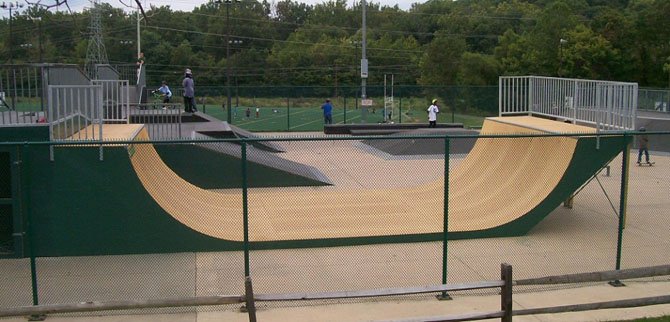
[189,92]
[643,146]
[327,112]
[432,114]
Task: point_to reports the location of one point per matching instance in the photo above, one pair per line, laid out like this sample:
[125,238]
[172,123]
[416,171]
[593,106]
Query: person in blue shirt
[165,92]
[327,112]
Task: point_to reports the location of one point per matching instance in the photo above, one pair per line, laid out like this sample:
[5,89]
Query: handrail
[575,100]
[73,108]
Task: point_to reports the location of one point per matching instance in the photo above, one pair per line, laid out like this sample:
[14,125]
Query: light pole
[235,42]
[127,44]
[39,35]
[364,65]
[561,42]
[10,6]
[228,99]
[355,43]
[27,47]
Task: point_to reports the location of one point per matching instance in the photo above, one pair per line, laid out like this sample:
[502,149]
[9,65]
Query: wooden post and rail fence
[505,313]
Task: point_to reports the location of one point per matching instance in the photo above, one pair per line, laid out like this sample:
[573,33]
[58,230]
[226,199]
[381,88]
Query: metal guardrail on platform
[605,104]
[162,120]
[116,100]
[75,113]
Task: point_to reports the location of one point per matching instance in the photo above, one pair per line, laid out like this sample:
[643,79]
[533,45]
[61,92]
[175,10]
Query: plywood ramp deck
[110,132]
[499,181]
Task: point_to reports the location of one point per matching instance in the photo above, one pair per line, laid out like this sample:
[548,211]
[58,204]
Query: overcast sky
[188,5]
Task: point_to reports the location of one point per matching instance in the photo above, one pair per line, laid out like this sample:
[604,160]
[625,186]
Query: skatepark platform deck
[110,132]
[533,124]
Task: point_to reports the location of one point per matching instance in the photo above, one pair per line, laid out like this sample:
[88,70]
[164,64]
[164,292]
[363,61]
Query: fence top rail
[343,138]
[379,292]
[600,276]
[119,305]
[75,86]
[109,80]
[38,65]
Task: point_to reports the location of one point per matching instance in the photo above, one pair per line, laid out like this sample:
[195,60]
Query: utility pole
[139,44]
[335,67]
[10,6]
[39,37]
[364,65]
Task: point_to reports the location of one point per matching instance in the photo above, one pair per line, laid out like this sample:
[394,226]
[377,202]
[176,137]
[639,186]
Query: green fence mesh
[351,224]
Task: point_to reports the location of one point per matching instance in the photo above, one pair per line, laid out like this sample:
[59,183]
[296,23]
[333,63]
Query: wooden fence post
[249,299]
[506,292]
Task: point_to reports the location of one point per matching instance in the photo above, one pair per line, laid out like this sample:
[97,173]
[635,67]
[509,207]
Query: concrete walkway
[426,307]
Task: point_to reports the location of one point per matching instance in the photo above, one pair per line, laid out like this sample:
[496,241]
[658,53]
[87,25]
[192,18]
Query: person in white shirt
[432,114]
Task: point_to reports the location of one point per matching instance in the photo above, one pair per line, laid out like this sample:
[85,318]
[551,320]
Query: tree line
[438,42]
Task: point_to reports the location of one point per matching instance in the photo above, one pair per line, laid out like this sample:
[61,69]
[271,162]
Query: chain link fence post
[245,208]
[25,180]
[445,229]
[622,205]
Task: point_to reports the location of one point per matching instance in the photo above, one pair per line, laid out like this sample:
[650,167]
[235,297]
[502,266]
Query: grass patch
[657,319]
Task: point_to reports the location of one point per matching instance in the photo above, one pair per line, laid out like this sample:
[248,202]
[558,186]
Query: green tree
[588,55]
[440,63]
[478,69]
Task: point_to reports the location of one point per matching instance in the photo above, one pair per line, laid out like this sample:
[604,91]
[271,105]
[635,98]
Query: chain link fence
[650,99]
[371,215]
[277,108]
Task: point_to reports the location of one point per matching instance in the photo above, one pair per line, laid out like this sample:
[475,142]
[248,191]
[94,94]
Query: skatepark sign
[366,102]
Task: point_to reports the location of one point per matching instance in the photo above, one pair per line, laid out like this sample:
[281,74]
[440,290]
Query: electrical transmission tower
[96,52]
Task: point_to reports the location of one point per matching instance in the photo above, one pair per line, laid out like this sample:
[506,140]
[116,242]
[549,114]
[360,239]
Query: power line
[276,40]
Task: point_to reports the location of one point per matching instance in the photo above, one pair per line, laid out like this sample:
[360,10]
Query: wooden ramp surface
[499,181]
[110,132]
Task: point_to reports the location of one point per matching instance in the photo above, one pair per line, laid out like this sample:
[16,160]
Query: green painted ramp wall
[6,213]
[210,169]
[33,133]
[82,206]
